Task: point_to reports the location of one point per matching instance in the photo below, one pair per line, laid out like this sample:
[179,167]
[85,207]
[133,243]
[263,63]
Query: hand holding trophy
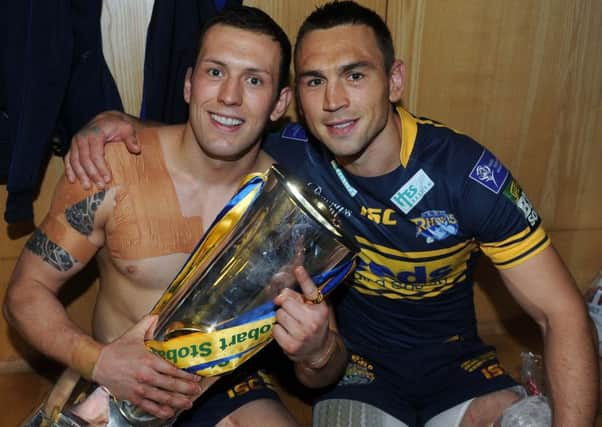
[218,311]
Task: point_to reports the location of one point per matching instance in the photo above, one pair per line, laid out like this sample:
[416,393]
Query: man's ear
[397,80]
[187,85]
[299,106]
[282,103]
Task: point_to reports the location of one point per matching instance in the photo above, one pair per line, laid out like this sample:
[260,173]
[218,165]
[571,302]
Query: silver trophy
[221,301]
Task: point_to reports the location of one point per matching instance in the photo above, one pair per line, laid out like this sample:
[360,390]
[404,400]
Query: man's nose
[335,96]
[230,92]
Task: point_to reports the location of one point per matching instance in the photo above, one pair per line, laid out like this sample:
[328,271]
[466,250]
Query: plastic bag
[533,409]
[533,375]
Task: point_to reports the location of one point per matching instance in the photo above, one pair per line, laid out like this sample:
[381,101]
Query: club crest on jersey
[435,225]
[412,192]
[489,172]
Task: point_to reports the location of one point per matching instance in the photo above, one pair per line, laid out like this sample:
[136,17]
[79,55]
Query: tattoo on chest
[49,251]
[81,215]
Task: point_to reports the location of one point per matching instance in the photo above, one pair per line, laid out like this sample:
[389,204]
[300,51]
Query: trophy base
[116,418]
[40,419]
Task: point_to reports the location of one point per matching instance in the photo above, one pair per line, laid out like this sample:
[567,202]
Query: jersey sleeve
[503,220]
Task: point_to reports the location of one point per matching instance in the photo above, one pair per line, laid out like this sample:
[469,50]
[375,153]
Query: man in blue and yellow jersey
[423,201]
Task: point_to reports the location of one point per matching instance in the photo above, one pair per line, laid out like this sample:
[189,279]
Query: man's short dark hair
[255,20]
[338,13]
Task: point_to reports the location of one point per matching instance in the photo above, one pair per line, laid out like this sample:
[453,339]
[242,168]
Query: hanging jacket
[55,80]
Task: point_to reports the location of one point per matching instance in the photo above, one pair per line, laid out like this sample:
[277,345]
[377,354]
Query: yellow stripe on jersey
[409,129]
[437,253]
[511,255]
[510,240]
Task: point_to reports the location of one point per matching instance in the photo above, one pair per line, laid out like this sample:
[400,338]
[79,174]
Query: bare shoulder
[127,168]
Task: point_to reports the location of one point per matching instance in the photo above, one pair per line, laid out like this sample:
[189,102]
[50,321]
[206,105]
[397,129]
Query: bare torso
[137,268]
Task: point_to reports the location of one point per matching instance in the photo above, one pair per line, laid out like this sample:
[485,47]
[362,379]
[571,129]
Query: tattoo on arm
[81,215]
[49,251]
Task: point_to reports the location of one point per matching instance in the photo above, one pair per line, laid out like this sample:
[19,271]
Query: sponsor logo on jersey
[412,192]
[513,192]
[389,273]
[527,209]
[414,282]
[489,172]
[435,225]
[379,216]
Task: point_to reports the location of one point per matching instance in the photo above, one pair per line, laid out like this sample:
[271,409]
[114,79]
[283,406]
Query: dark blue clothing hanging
[55,79]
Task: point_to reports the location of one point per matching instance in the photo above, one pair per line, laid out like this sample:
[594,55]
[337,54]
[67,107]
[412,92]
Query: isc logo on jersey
[379,216]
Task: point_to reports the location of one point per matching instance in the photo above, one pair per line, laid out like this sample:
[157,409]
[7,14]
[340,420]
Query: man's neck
[187,158]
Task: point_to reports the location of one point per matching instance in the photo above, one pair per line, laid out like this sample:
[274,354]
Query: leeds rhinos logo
[435,225]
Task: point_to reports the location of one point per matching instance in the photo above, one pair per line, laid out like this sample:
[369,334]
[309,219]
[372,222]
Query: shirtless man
[142,227]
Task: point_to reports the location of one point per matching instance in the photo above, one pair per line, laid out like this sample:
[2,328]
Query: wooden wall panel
[12,237]
[290,14]
[525,79]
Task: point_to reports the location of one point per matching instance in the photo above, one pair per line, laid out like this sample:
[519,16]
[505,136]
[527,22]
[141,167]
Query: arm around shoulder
[85,160]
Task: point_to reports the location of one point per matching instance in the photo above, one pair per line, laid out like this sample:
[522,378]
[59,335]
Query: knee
[487,409]
[530,411]
[230,420]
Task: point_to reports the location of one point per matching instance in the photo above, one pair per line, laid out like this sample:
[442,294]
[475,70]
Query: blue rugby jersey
[420,229]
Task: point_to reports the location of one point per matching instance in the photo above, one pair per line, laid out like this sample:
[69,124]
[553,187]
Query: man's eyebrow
[223,64]
[310,73]
[353,65]
[341,70]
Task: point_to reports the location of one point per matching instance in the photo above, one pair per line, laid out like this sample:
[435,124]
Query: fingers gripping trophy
[218,311]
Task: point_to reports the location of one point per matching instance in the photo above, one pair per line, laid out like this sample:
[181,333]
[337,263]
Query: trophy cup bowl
[281,229]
